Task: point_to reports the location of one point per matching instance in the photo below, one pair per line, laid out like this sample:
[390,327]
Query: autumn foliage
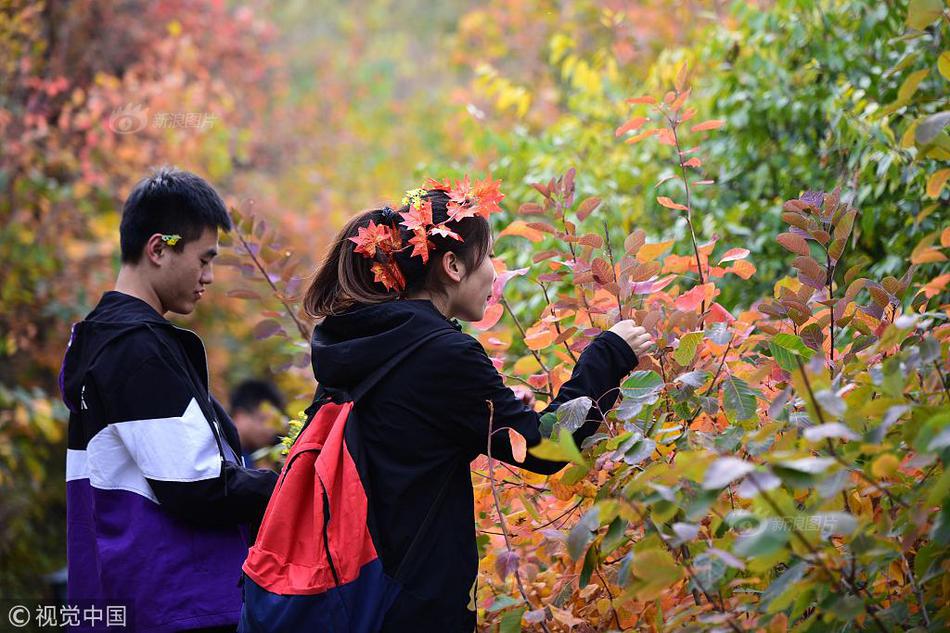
[747,183]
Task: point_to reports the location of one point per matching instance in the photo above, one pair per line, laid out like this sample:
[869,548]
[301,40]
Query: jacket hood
[116,315]
[347,347]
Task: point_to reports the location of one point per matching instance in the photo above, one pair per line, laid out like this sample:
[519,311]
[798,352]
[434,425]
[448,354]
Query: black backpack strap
[403,568]
[323,393]
[370,381]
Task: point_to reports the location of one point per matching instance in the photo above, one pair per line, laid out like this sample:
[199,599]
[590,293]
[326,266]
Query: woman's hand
[525,395]
[639,340]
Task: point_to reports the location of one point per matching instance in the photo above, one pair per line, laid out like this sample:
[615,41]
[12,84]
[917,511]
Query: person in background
[256,406]
[158,503]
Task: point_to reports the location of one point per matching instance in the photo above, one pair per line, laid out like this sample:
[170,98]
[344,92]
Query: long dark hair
[344,278]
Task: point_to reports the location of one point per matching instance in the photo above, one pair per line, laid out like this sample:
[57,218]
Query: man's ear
[156,249]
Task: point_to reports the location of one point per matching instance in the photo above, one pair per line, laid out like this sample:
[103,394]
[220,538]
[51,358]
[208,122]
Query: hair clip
[388,214]
[171,240]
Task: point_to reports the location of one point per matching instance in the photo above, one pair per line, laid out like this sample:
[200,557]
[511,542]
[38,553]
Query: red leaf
[691,299]
[492,315]
[266,328]
[644,99]
[734,254]
[717,313]
[669,204]
[693,162]
[372,237]
[587,207]
[794,243]
[418,218]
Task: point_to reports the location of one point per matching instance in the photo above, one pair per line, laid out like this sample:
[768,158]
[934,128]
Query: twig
[300,326]
[501,516]
[831,447]
[920,594]
[534,353]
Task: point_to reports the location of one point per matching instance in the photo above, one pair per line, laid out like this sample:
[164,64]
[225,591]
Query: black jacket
[157,499]
[425,422]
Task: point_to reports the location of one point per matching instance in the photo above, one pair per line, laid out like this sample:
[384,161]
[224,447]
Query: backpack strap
[403,569]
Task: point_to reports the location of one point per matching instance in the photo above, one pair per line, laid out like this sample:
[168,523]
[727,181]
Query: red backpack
[314,565]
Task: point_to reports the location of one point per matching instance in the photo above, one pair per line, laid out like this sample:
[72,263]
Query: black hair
[344,278]
[170,202]
[250,394]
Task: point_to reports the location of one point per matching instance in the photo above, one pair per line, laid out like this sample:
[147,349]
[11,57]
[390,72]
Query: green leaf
[511,621]
[724,471]
[564,450]
[656,570]
[738,398]
[769,536]
[708,570]
[777,595]
[923,13]
[572,414]
[687,350]
[583,533]
[928,128]
[642,385]
[785,347]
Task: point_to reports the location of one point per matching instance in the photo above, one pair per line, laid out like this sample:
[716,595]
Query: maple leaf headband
[382,242]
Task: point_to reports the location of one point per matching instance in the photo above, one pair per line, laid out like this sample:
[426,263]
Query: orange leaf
[693,162]
[649,252]
[642,135]
[669,204]
[633,124]
[644,99]
[742,268]
[945,237]
[936,182]
[539,336]
[518,228]
[519,446]
[492,316]
[713,124]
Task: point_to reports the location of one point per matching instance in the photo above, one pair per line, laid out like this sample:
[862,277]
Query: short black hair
[171,202]
[250,394]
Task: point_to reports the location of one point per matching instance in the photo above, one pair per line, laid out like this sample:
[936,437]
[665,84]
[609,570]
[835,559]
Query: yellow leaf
[910,85]
[936,182]
[885,466]
[943,64]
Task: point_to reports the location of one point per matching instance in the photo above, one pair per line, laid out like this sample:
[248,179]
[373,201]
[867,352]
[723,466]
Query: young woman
[390,279]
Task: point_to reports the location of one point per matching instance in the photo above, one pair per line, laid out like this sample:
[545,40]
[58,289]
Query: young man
[255,405]
[157,499]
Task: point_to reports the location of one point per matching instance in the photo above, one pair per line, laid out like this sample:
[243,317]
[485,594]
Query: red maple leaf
[374,236]
[418,218]
[389,275]
[421,245]
[460,196]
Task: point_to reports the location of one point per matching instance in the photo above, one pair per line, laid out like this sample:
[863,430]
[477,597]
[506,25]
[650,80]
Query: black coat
[420,428]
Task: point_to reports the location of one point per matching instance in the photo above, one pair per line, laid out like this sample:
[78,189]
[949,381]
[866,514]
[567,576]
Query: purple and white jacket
[158,504]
